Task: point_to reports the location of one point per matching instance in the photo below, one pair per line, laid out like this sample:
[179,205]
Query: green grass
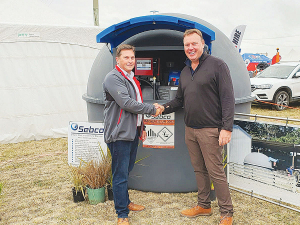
[266,110]
[38,191]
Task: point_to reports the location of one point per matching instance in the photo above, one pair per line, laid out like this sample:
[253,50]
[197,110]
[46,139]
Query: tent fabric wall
[292,56]
[42,79]
[47,12]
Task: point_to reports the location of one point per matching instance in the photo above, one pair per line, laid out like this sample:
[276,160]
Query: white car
[279,83]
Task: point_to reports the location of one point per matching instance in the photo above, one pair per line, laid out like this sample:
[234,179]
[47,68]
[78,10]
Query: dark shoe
[123,221]
[196,211]
[226,220]
[135,207]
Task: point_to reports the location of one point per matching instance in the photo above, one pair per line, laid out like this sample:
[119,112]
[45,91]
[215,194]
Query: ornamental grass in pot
[95,175]
[110,194]
[78,188]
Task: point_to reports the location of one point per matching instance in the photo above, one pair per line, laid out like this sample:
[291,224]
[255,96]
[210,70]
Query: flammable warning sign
[160,131]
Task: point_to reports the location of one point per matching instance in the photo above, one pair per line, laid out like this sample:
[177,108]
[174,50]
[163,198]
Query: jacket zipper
[139,87]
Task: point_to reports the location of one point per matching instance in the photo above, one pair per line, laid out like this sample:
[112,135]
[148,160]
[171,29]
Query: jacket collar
[201,60]
[134,79]
[120,70]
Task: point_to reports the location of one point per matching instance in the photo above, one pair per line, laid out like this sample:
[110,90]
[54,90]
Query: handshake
[159,109]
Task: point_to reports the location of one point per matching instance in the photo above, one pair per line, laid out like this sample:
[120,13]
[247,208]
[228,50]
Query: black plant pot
[78,197]
[110,193]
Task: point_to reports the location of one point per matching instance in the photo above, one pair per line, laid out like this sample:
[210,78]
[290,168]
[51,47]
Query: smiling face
[193,47]
[126,60]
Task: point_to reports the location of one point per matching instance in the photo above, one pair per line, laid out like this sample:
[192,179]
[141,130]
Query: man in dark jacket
[123,125]
[205,91]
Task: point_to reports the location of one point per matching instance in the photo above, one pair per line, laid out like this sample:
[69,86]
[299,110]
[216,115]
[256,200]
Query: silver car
[279,84]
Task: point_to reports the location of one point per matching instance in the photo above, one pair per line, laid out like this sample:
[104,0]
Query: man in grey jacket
[123,126]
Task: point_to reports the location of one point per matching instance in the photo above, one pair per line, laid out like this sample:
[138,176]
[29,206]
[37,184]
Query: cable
[276,104]
[156,90]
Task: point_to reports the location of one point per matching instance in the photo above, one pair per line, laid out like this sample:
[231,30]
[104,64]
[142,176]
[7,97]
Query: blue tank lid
[117,33]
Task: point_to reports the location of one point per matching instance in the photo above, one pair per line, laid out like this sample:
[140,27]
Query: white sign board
[160,131]
[84,141]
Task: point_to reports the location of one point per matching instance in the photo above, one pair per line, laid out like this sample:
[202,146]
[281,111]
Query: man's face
[126,60]
[193,46]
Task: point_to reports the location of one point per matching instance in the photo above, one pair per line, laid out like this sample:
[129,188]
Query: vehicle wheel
[282,99]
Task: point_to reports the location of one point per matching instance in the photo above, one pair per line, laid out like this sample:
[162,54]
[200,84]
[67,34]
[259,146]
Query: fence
[287,120]
[265,176]
[266,184]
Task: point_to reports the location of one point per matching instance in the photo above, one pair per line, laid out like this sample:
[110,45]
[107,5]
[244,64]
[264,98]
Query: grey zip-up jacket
[121,108]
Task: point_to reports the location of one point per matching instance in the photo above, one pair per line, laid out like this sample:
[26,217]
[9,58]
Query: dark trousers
[123,159]
[206,159]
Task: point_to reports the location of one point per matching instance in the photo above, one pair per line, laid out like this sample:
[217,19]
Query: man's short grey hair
[124,47]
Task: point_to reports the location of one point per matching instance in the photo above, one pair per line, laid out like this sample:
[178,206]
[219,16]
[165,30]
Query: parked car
[279,83]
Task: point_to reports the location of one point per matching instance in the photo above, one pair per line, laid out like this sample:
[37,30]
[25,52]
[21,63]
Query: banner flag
[237,36]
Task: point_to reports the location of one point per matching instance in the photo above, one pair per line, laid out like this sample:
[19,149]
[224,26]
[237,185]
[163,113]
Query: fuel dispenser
[158,40]
[154,85]
[147,72]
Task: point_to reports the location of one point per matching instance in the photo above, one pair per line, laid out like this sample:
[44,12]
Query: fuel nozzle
[154,87]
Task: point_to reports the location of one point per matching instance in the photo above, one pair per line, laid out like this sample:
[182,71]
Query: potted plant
[95,175]
[79,187]
[110,194]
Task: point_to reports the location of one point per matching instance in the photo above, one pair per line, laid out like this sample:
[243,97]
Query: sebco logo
[82,129]
[74,126]
[159,117]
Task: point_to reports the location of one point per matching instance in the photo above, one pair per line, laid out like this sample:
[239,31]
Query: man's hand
[159,109]
[224,137]
[158,106]
[144,136]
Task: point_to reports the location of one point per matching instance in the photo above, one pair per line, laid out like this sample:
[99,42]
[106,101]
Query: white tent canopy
[47,12]
[44,72]
[292,56]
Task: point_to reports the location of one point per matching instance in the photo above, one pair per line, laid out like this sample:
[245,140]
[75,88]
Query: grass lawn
[37,190]
[266,110]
